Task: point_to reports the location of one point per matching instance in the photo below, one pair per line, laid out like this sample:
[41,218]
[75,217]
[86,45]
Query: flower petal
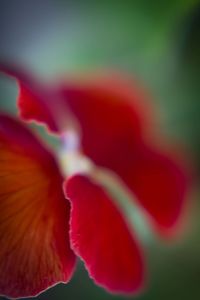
[109,110]
[35,252]
[101,237]
[32,104]
[33,98]
[114,118]
[115,99]
[114,135]
[159,182]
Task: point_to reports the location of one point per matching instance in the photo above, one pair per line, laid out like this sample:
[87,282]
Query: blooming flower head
[51,212]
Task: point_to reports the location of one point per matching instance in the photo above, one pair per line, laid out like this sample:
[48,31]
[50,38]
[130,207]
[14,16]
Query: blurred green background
[159,42]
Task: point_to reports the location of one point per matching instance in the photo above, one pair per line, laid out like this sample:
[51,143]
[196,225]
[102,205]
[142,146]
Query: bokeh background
[157,41]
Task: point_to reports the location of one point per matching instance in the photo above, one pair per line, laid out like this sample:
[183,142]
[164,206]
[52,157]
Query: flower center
[71,158]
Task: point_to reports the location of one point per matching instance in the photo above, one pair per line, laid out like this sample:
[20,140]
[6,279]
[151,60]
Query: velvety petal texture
[101,237]
[34,215]
[114,126]
[114,117]
[115,122]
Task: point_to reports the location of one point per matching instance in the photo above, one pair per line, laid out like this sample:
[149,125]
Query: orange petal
[35,252]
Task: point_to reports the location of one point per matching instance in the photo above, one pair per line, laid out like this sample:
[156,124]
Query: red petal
[35,252]
[113,136]
[34,98]
[114,122]
[101,237]
[32,104]
[111,112]
[116,100]
[159,183]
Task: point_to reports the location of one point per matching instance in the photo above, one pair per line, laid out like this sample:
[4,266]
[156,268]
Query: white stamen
[71,159]
[70,141]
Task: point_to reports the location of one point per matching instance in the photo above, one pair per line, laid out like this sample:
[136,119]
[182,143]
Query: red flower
[111,117]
